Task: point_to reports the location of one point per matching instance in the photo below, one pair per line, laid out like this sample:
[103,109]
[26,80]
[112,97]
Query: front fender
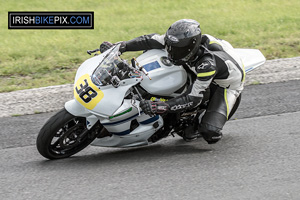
[74,108]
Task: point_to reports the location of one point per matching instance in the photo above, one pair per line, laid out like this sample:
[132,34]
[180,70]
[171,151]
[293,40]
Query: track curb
[52,98]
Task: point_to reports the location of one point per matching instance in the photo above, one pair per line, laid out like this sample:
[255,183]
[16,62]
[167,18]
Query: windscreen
[107,68]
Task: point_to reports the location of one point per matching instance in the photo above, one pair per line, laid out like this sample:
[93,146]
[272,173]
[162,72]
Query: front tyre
[64,135]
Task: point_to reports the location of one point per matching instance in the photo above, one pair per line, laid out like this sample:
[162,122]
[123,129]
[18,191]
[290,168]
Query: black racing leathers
[211,64]
[145,42]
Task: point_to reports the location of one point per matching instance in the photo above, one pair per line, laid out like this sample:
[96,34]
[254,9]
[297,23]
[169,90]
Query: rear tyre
[63,135]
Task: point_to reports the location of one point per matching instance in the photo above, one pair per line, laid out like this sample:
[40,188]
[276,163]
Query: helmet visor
[181,55]
[177,53]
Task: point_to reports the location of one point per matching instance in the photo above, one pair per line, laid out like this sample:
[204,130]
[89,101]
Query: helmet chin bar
[177,62]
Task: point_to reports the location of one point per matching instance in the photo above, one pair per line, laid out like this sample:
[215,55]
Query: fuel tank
[166,78]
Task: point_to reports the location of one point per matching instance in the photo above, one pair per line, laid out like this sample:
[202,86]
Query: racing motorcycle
[105,110]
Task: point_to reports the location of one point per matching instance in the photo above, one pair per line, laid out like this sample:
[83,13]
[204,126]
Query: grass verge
[36,58]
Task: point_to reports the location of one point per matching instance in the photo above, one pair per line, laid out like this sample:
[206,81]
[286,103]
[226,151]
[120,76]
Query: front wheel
[64,135]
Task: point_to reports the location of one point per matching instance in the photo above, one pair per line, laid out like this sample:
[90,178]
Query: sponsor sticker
[183,106]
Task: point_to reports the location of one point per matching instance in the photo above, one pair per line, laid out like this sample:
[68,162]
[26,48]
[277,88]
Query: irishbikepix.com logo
[51,20]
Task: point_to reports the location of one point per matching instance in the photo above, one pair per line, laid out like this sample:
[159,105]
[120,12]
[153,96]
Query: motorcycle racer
[215,66]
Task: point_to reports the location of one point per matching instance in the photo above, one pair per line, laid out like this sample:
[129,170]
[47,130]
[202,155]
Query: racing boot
[190,133]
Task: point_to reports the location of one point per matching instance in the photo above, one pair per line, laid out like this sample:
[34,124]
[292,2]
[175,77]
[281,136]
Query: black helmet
[183,40]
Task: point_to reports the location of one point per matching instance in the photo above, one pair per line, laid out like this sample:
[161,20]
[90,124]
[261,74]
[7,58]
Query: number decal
[86,93]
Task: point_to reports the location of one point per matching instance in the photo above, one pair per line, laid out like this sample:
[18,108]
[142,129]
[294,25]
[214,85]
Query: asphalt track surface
[258,158]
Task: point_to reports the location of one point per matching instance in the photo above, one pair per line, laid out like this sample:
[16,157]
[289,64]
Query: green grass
[36,58]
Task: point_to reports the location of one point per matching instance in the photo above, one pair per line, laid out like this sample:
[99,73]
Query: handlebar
[123,66]
[92,51]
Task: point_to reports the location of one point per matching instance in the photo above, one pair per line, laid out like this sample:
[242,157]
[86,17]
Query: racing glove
[154,107]
[107,45]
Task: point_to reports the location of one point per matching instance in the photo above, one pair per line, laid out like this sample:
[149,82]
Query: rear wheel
[64,135]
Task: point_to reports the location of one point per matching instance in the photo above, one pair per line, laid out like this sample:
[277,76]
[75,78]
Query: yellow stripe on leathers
[205,74]
[214,42]
[244,73]
[226,101]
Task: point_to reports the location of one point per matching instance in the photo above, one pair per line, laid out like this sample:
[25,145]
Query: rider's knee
[211,125]
[210,133]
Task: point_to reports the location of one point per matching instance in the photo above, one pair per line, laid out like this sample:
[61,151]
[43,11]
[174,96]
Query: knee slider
[210,133]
